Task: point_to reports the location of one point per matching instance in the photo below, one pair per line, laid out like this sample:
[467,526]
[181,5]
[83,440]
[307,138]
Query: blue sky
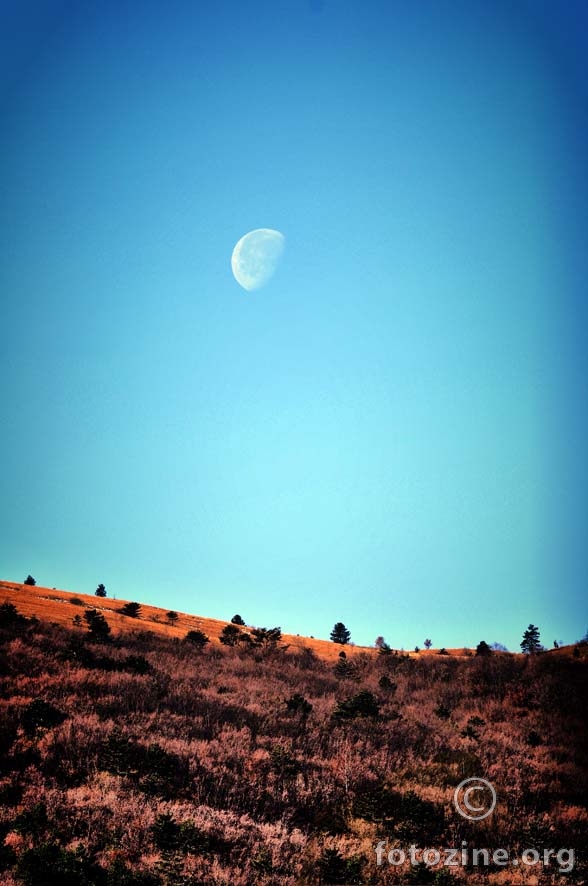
[391,433]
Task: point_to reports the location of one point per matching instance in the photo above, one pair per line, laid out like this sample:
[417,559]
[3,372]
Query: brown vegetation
[146,760]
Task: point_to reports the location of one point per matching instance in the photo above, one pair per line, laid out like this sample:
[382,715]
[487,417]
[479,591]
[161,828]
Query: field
[144,759]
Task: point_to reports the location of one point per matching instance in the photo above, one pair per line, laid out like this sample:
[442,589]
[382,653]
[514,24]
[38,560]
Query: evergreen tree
[237,620]
[230,635]
[340,634]
[133,610]
[100,591]
[345,669]
[29,580]
[266,637]
[197,638]
[530,642]
[98,627]
[483,649]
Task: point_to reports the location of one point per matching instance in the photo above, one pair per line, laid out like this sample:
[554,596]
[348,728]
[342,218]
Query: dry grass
[53,605]
[100,741]
[50,604]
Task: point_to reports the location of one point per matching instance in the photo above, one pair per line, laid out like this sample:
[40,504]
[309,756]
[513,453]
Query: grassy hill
[145,760]
[55,606]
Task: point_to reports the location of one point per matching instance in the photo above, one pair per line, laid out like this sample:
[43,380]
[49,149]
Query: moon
[256,257]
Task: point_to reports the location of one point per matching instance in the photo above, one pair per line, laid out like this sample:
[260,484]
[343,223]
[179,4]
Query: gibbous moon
[256,257]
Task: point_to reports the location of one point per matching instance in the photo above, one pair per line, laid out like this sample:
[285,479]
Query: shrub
[137,664]
[197,638]
[39,714]
[345,669]
[98,627]
[237,620]
[120,875]
[117,754]
[10,617]
[32,821]
[172,616]
[132,610]
[364,704]
[333,868]
[49,864]
[230,634]
[75,601]
[297,704]
[443,651]
[471,728]
[283,763]
[418,817]
[483,649]
[428,643]
[166,833]
[420,875]
[386,684]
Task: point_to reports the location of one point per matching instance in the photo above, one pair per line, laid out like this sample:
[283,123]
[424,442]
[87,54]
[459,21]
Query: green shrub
[364,704]
[230,635]
[197,638]
[137,664]
[98,627]
[10,617]
[51,865]
[333,868]
[297,704]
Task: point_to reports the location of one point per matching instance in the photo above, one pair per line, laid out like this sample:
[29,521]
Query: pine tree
[197,638]
[266,637]
[530,642]
[100,591]
[230,635]
[98,627]
[483,649]
[340,634]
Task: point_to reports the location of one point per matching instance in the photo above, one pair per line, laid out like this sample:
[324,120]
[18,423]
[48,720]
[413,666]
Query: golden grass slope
[50,604]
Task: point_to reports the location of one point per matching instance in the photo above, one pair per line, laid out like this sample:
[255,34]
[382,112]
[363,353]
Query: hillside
[55,606]
[145,760]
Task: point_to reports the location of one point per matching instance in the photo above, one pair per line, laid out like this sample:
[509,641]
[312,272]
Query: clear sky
[392,433]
